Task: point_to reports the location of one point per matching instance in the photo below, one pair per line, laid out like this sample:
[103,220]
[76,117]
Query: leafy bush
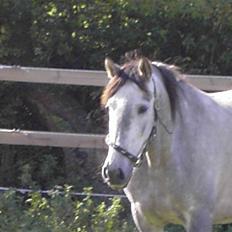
[194,34]
[60,213]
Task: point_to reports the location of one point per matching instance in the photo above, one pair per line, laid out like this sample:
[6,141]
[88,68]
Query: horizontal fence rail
[77,77]
[53,76]
[95,78]
[54,139]
[210,83]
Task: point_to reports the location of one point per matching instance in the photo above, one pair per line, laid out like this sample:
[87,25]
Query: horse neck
[160,147]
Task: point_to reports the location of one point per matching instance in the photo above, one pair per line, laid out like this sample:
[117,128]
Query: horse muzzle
[115,177]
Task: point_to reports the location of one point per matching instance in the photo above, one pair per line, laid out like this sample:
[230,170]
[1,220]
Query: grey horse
[170,147]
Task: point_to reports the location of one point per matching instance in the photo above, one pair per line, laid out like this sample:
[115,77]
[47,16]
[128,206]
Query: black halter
[136,160]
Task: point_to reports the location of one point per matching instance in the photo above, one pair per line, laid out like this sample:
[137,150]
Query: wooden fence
[77,77]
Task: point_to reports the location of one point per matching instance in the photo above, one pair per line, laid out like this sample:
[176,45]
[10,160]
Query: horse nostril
[121,174]
[113,176]
[116,176]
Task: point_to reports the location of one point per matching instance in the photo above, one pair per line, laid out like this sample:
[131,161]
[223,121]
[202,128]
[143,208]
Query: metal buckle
[139,160]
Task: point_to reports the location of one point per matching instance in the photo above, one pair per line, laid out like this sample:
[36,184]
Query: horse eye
[142,109]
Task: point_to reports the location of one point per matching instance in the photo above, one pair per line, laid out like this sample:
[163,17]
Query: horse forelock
[128,72]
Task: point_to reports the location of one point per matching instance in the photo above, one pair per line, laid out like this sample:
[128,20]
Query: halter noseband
[136,160]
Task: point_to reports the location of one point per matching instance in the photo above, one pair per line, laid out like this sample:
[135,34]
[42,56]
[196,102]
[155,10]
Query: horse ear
[144,68]
[111,68]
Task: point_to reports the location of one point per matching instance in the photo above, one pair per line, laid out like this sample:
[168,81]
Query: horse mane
[172,78]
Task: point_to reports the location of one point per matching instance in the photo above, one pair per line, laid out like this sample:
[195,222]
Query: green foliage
[60,213]
[194,34]
[63,213]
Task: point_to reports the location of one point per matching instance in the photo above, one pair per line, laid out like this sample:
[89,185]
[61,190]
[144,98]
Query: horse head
[129,98]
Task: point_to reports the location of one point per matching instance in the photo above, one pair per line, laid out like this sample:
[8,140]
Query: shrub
[61,213]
